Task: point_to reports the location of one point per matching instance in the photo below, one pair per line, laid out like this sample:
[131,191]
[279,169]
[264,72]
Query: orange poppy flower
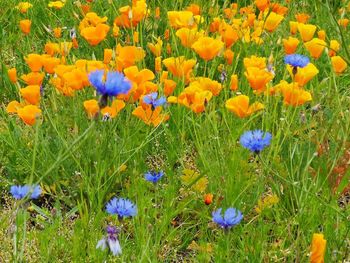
[158,64]
[157,12]
[290,45]
[107,55]
[229,35]
[169,87]
[129,55]
[179,19]
[334,47]
[92,108]
[140,82]
[343,22]
[57,32]
[25,26]
[31,94]
[207,84]
[272,21]
[293,27]
[279,9]
[91,19]
[112,111]
[52,48]
[228,55]
[156,48]
[302,18]
[208,48]
[50,63]
[29,114]
[294,96]
[240,106]
[12,73]
[59,84]
[132,15]
[34,61]
[321,34]
[306,31]
[195,9]
[258,78]
[339,64]
[149,116]
[315,47]
[254,61]
[262,4]
[33,78]
[318,248]
[234,82]
[74,79]
[304,75]
[189,36]
[94,35]
[179,66]
[195,98]
[13,106]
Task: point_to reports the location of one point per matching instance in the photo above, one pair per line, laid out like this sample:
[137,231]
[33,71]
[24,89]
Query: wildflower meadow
[175,131]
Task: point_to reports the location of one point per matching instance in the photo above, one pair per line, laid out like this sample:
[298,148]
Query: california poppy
[339,64]
[25,26]
[29,114]
[31,94]
[318,248]
[208,48]
[240,106]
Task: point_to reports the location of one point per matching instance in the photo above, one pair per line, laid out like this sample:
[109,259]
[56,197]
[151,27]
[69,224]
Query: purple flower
[115,84]
[231,217]
[296,60]
[151,99]
[153,176]
[255,141]
[20,192]
[111,241]
[121,207]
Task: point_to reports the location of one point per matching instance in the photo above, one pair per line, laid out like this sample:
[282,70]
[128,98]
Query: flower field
[175,131]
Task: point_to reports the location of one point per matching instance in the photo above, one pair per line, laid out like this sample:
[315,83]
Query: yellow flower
[272,21]
[23,7]
[56,4]
[339,64]
[306,31]
[240,106]
[315,47]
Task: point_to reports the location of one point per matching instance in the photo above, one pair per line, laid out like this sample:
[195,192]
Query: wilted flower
[231,217]
[153,176]
[20,192]
[121,207]
[151,99]
[111,241]
[256,140]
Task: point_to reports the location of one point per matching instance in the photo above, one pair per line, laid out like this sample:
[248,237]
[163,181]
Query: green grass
[77,161]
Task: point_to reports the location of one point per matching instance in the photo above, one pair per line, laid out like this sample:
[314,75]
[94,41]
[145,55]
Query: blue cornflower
[115,84]
[151,99]
[296,60]
[255,141]
[20,192]
[111,241]
[231,217]
[153,176]
[121,207]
